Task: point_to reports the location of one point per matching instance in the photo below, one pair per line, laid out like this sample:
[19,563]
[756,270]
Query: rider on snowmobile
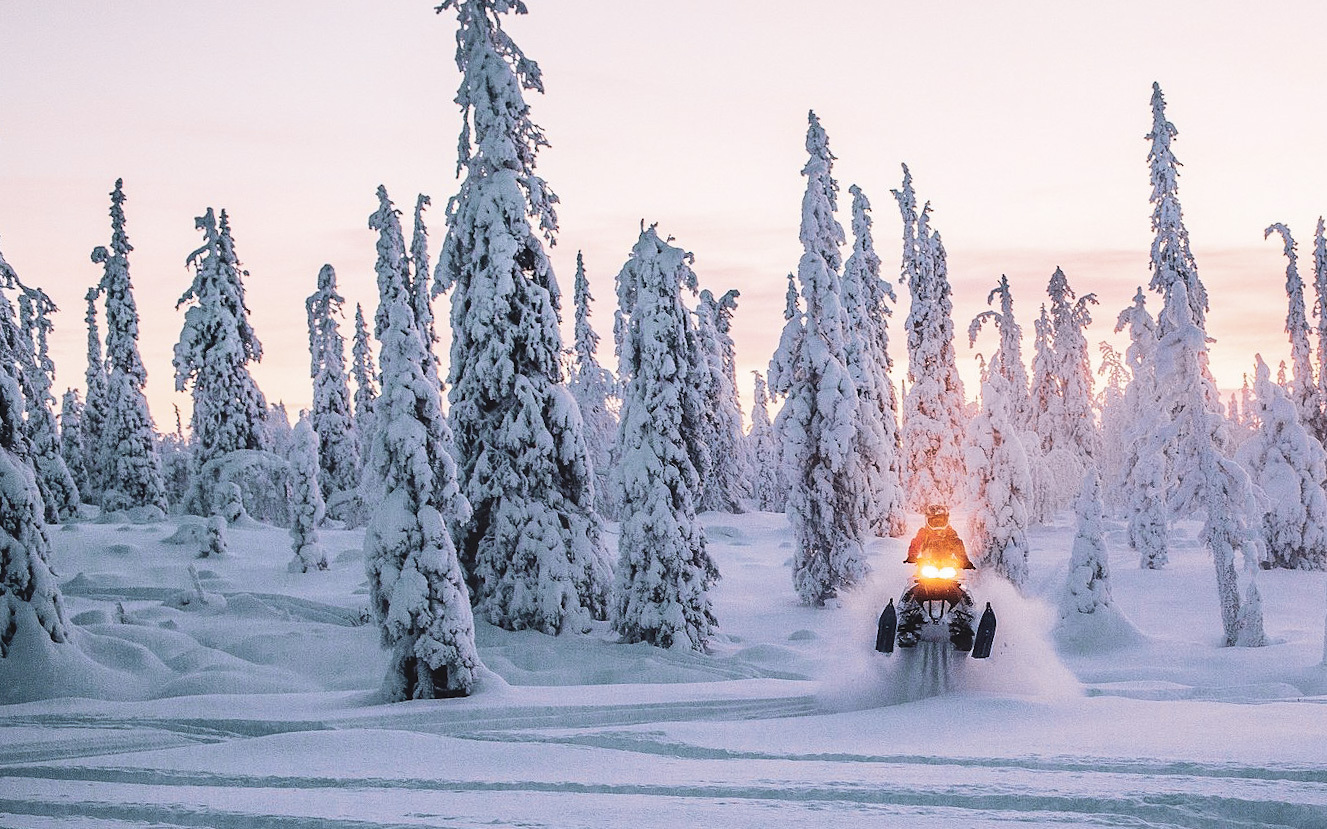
[936,540]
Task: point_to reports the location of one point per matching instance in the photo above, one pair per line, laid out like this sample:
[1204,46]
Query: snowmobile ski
[981,646]
[884,637]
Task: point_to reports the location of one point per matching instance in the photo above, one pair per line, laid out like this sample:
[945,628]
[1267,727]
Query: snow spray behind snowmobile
[936,606]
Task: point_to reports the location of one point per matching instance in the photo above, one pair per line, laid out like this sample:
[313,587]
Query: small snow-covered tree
[214,351]
[933,409]
[94,404]
[71,437]
[331,418]
[817,424]
[1303,390]
[1076,429]
[365,375]
[1289,465]
[129,448]
[58,491]
[999,489]
[866,299]
[306,500]
[416,586]
[1143,468]
[532,547]
[1205,481]
[729,471]
[768,488]
[664,572]
[593,387]
[1087,589]
[29,593]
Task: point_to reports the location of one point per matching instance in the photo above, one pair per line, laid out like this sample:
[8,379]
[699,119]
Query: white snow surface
[255,701]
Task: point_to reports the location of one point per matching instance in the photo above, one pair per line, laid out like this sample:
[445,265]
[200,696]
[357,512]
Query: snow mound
[1107,629]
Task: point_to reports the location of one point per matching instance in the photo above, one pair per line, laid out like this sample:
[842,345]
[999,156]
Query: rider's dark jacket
[942,544]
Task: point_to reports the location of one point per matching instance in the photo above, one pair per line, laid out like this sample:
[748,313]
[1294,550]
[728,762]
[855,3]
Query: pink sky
[1022,122]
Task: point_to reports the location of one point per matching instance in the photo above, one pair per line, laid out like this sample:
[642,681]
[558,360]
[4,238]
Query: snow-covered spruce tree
[1289,465]
[94,404]
[593,387]
[1320,311]
[818,422]
[58,491]
[365,374]
[331,418]
[1088,614]
[1204,480]
[306,499]
[1143,467]
[664,573]
[532,549]
[131,463]
[1087,589]
[1303,390]
[71,437]
[416,586]
[933,409]
[729,473]
[1045,398]
[1172,261]
[1076,430]
[29,593]
[768,488]
[1006,365]
[999,489]
[866,299]
[213,355]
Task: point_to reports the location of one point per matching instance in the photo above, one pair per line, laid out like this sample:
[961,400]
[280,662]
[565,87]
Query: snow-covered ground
[258,707]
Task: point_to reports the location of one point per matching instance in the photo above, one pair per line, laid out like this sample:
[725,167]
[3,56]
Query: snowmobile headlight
[948,572]
[930,571]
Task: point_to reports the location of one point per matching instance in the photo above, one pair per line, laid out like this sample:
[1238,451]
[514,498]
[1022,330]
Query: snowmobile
[936,606]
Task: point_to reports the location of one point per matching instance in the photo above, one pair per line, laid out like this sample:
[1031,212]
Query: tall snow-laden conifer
[729,471]
[1143,469]
[416,586]
[999,489]
[768,488]
[131,462]
[29,593]
[818,422]
[1320,312]
[532,548]
[933,420]
[866,299]
[1087,589]
[213,355]
[1172,262]
[94,403]
[306,500]
[1205,481]
[593,386]
[664,573]
[1289,465]
[58,491]
[332,417]
[1303,390]
[365,374]
[1006,365]
[1076,428]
